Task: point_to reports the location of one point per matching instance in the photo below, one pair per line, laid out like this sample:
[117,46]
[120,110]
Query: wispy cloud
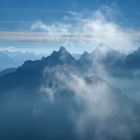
[22,36]
[84,32]
[42,36]
[89,32]
[9,48]
[101,108]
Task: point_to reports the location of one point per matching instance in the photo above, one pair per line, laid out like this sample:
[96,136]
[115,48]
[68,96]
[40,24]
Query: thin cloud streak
[42,36]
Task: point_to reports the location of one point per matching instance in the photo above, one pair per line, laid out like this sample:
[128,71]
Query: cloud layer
[100,105]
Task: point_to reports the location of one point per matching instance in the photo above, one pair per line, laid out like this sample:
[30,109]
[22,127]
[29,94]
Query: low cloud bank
[103,111]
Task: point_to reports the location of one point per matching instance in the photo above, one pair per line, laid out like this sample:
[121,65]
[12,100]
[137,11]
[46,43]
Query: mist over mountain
[116,63]
[9,59]
[60,97]
[69,70]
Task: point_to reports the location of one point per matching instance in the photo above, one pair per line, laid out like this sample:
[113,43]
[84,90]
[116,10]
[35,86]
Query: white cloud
[39,25]
[98,102]
[85,33]
[9,48]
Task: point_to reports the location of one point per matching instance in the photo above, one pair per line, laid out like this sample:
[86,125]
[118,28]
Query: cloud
[22,36]
[102,111]
[79,32]
[85,33]
[39,25]
[10,49]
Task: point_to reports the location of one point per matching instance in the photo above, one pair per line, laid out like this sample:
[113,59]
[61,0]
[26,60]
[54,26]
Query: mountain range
[59,97]
[11,59]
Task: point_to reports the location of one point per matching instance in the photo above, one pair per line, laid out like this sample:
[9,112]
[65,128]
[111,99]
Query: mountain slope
[7,71]
[53,99]
[30,73]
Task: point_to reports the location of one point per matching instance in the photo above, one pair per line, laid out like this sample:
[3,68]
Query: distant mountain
[7,71]
[14,59]
[102,56]
[6,61]
[112,60]
[60,57]
[30,73]
[115,63]
[57,98]
[108,56]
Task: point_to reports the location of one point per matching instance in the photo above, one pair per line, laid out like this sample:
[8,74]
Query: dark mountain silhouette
[29,74]
[29,113]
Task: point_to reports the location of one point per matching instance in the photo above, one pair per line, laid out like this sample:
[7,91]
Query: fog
[102,109]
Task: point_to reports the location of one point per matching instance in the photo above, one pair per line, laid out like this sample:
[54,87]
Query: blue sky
[19,16]
[31,10]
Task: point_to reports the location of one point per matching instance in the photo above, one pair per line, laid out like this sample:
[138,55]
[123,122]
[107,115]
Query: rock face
[56,98]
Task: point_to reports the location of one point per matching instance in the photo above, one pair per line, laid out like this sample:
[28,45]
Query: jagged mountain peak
[60,57]
[61,54]
[63,50]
